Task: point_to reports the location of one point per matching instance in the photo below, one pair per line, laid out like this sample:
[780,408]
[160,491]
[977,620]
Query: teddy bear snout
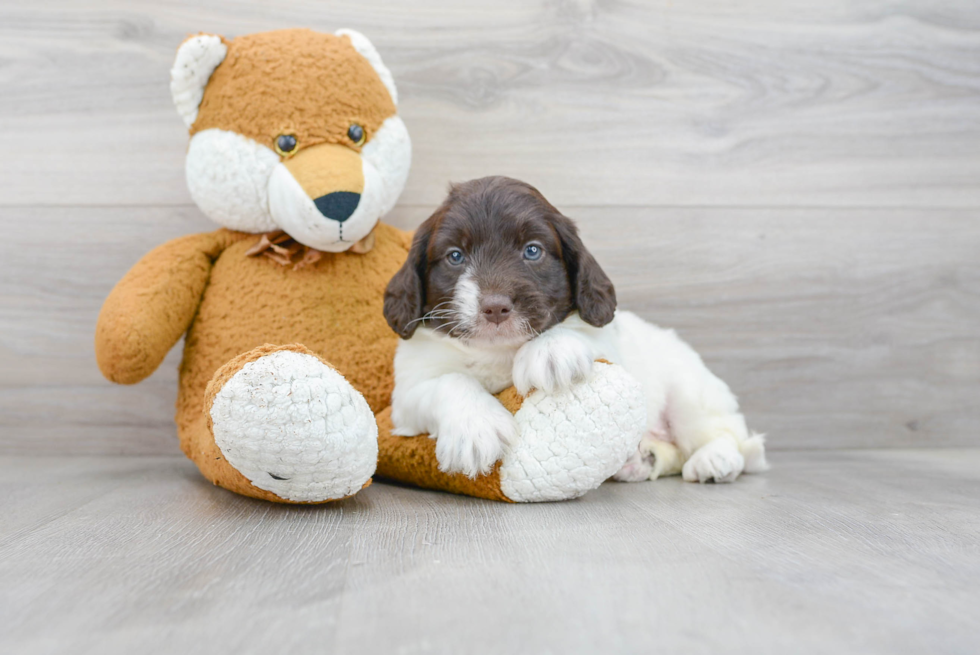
[338,205]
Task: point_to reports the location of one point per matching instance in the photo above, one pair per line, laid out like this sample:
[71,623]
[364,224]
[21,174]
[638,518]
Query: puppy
[499,290]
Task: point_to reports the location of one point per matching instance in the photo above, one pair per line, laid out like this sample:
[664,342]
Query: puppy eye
[285,144]
[455,257]
[356,134]
[533,252]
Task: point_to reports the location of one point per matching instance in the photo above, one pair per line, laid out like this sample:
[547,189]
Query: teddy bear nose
[339,205]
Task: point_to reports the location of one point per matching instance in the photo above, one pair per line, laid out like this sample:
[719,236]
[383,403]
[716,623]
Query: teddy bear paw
[294,426]
[571,441]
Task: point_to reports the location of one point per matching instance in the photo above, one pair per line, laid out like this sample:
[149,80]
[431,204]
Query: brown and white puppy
[497,263]
[498,289]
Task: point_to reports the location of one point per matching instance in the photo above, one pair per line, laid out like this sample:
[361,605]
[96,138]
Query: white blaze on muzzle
[466,299]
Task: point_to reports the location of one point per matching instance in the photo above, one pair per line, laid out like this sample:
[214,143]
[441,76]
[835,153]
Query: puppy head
[497,264]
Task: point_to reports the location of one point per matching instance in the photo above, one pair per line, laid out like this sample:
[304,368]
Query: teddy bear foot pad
[293,425]
[568,444]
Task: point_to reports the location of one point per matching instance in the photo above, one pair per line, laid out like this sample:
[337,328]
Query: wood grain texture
[842,552]
[837,328]
[608,103]
[795,186]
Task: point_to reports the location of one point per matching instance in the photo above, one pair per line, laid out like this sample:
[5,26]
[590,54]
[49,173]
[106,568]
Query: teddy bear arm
[153,305]
[568,443]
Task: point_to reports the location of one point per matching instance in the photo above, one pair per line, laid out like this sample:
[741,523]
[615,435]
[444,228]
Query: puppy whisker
[455,326]
[433,315]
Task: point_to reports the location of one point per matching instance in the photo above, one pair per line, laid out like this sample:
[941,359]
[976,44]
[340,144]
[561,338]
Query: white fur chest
[429,354]
[493,368]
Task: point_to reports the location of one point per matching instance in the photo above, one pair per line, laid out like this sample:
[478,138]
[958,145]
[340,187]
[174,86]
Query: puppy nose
[496,309]
[339,205]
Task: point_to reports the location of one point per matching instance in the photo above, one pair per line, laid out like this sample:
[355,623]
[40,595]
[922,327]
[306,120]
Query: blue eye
[533,252]
[455,256]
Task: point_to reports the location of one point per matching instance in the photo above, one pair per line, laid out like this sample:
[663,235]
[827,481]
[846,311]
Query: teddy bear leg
[288,427]
[568,443]
[571,442]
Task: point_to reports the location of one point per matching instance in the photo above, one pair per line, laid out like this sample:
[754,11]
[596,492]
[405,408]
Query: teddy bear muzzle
[319,196]
[332,176]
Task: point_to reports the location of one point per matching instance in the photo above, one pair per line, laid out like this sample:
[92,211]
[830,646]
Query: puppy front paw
[552,362]
[718,461]
[471,442]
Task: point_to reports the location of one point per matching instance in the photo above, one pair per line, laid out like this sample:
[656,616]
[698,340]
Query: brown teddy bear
[297,150]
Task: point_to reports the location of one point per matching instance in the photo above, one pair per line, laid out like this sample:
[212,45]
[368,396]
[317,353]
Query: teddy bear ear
[196,59]
[369,52]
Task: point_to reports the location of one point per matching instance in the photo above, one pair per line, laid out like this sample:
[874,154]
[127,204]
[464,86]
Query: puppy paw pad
[716,461]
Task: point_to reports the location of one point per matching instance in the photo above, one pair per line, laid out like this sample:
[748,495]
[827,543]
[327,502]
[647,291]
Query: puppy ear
[405,295]
[592,290]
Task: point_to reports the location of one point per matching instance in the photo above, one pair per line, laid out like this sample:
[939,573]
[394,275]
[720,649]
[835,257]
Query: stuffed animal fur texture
[297,151]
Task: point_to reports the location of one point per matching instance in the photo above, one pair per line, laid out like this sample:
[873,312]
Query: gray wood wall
[794,185]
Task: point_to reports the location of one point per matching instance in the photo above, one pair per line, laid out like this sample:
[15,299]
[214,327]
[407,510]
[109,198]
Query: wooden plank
[837,328]
[175,543]
[39,490]
[870,552]
[627,103]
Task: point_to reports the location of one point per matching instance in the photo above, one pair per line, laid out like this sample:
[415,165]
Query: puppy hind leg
[716,461]
[636,469]
[667,458]
[655,457]
[753,450]
[707,425]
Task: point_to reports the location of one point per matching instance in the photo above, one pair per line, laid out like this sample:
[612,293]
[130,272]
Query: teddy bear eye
[285,144]
[356,134]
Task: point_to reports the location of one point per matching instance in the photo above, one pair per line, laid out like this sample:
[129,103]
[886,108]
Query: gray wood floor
[831,552]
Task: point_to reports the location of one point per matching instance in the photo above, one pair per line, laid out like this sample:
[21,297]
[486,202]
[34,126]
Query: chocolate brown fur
[491,220]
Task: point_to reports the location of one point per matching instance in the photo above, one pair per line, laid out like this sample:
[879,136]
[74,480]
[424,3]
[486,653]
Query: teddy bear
[297,150]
